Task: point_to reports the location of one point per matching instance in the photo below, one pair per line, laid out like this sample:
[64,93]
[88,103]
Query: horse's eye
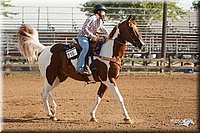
[132,34]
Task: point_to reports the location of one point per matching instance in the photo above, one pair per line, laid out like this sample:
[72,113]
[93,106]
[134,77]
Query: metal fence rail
[55,24]
[177,44]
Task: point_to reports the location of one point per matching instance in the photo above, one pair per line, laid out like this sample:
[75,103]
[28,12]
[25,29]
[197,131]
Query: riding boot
[87,70]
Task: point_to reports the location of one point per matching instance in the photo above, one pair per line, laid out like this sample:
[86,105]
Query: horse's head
[130,32]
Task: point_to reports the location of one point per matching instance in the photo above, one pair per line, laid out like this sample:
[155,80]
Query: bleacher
[181,39]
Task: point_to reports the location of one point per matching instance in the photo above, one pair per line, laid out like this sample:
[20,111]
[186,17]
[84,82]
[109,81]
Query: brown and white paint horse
[56,68]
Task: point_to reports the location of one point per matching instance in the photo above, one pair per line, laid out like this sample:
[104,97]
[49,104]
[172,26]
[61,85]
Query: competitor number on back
[71,53]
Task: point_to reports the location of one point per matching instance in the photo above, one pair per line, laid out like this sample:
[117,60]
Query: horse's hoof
[53,118]
[128,121]
[93,120]
[53,111]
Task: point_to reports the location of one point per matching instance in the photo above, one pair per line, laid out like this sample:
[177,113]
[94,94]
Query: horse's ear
[134,18]
[129,17]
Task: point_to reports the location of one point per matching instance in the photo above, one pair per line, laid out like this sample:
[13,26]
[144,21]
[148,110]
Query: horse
[55,67]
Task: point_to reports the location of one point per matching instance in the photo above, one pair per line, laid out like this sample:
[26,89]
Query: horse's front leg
[115,90]
[98,98]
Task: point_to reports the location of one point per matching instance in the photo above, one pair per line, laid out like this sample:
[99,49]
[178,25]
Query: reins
[113,59]
[131,36]
[116,60]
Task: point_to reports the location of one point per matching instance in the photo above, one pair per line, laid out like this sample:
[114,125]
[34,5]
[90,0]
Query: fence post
[170,64]
[72,18]
[177,46]
[150,47]
[38,18]
[22,14]
[164,27]
[198,27]
[48,24]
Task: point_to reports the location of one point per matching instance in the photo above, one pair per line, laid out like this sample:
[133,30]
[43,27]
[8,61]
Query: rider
[92,25]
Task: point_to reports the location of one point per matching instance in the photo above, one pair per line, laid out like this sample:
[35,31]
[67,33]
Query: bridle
[117,60]
[134,39]
[128,32]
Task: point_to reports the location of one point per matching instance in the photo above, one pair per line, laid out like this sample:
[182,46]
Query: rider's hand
[105,38]
[96,38]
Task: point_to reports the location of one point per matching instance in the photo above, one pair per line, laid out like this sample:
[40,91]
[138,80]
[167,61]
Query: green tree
[4,4]
[196,4]
[146,10]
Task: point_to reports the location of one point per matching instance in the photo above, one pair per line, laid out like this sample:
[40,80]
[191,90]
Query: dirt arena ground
[152,100]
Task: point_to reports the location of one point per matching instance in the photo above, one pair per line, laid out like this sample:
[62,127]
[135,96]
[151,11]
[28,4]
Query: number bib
[71,52]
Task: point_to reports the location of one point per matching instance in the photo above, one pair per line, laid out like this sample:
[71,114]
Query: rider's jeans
[83,41]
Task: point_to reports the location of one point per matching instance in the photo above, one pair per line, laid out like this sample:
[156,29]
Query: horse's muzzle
[138,44]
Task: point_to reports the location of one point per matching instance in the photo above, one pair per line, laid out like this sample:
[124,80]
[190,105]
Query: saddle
[73,51]
[94,48]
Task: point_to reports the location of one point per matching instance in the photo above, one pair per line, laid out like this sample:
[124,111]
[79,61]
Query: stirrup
[87,70]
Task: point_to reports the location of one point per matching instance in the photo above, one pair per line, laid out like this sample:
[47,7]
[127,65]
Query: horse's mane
[112,33]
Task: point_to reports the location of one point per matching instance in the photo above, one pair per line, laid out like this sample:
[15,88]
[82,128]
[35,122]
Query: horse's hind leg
[98,98]
[53,105]
[46,95]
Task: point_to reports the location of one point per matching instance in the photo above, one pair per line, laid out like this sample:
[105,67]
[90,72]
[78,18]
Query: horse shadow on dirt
[38,120]
[23,120]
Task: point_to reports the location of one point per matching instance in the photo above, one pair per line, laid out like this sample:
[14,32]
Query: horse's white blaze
[142,42]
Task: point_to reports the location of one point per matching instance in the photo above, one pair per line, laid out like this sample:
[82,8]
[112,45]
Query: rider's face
[102,13]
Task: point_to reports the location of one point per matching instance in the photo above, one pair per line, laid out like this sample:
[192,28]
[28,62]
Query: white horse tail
[28,41]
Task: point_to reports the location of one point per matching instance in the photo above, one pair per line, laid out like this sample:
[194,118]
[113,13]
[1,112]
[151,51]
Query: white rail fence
[55,24]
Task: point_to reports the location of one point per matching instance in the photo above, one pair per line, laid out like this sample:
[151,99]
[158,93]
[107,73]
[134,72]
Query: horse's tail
[28,41]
